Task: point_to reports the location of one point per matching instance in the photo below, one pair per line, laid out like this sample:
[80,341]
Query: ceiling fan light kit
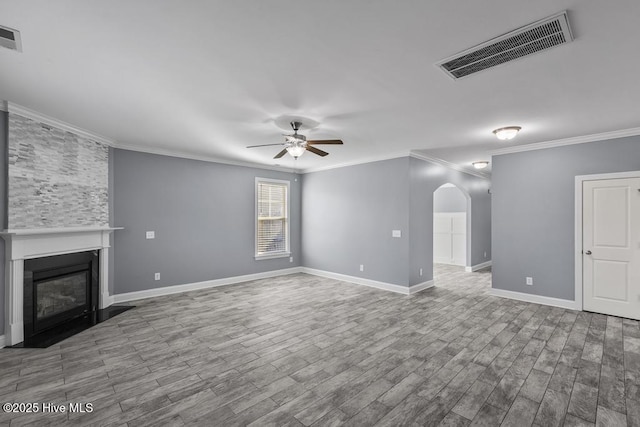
[296,150]
[296,144]
[507,133]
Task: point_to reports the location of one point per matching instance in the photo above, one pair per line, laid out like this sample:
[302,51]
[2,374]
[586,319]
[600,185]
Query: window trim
[287,251]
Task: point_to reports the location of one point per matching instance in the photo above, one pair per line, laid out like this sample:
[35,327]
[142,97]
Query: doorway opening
[451,226]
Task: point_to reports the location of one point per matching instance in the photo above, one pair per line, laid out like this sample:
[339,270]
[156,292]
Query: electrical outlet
[529,281]
[151,234]
[290,259]
[420,272]
[156,276]
[361,267]
[396,233]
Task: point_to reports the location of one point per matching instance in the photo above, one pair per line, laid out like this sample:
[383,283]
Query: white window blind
[272,228]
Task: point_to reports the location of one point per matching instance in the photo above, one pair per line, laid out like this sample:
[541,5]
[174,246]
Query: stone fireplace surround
[36,243]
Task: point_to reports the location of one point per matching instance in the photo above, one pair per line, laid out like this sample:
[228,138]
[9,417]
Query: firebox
[59,291]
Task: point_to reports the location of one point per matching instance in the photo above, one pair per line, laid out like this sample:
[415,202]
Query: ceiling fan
[297,144]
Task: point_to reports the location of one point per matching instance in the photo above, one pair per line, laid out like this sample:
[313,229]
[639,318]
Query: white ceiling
[207,78]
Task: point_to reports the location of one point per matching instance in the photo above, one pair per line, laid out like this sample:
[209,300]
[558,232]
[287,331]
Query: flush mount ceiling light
[507,133]
[480,165]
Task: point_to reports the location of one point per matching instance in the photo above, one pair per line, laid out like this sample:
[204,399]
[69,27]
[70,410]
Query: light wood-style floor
[303,350]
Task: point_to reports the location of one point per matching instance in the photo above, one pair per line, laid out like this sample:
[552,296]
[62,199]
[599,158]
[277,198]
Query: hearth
[59,290]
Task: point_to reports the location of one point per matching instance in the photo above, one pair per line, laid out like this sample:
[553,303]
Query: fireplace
[24,247]
[59,291]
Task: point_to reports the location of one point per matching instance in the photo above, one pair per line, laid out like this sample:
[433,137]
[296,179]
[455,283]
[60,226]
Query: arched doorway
[451,225]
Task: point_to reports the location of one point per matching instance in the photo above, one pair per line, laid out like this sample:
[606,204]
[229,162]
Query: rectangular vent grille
[10,38]
[524,41]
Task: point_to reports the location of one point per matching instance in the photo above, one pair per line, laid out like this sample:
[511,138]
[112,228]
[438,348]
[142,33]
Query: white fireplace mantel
[22,244]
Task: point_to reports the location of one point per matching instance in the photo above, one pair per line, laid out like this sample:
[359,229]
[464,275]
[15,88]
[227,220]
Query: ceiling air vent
[532,38]
[10,38]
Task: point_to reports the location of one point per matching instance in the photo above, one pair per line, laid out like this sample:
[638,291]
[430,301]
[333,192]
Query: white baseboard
[2,343]
[421,287]
[536,299]
[176,289]
[404,290]
[106,300]
[477,267]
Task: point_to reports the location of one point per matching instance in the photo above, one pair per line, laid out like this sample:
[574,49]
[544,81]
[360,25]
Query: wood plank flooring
[303,350]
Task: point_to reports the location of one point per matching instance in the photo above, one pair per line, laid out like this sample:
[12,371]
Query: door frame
[467,266]
[580,179]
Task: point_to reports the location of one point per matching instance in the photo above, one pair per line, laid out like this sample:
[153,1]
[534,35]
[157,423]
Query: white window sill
[273,256]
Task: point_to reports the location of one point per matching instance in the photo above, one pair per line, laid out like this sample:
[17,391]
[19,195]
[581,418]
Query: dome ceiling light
[480,165]
[507,133]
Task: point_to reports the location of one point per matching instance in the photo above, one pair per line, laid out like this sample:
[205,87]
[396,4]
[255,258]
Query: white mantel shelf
[23,244]
[65,230]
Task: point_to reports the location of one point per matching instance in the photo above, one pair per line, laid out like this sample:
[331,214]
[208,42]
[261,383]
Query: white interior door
[450,238]
[611,246]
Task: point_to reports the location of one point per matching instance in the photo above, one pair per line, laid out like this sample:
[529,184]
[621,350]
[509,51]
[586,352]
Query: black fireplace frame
[58,266]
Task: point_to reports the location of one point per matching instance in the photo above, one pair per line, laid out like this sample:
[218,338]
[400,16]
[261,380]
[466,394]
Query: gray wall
[425,178]
[203,215]
[348,215]
[534,211]
[4,119]
[112,270]
[449,199]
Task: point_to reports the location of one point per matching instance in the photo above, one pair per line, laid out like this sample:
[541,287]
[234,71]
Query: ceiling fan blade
[314,150]
[280,154]
[262,145]
[325,141]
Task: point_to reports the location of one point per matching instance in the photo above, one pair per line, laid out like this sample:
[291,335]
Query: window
[272,218]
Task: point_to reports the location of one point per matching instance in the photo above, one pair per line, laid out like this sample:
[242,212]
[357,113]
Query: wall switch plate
[529,281]
[156,276]
[420,272]
[151,234]
[290,259]
[396,233]
[361,267]
[485,254]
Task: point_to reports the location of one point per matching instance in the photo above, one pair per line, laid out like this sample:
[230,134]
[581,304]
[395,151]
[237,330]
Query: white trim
[287,201]
[59,124]
[371,159]
[360,281]
[202,158]
[447,164]
[579,180]
[478,266]
[272,256]
[421,287]
[536,299]
[2,342]
[176,289]
[569,141]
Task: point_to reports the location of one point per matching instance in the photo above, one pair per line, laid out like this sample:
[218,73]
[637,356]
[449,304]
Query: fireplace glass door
[61,294]
[59,289]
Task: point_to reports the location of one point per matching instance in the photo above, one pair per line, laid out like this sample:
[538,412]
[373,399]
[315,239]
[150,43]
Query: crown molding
[448,165]
[202,158]
[59,124]
[372,159]
[568,141]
